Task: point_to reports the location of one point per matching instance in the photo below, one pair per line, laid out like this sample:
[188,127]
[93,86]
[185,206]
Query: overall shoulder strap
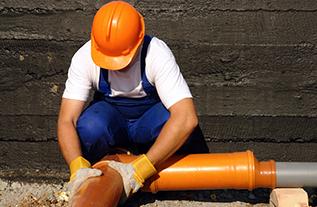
[146,42]
[148,88]
[103,82]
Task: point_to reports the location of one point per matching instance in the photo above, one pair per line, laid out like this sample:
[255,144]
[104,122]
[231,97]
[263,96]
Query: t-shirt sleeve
[166,76]
[78,84]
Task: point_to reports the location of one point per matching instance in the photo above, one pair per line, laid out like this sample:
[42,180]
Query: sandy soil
[17,194]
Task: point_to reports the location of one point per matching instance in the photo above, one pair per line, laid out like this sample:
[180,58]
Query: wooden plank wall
[251,65]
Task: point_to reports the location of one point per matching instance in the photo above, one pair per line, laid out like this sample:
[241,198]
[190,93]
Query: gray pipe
[296,174]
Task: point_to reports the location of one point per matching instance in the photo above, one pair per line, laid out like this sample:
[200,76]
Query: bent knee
[90,130]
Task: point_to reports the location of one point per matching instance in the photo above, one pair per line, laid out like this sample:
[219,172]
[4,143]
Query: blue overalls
[131,123]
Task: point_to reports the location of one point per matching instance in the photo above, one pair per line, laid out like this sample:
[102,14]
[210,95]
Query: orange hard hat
[117,32]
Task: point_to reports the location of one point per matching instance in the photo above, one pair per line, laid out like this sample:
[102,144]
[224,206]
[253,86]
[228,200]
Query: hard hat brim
[115,62]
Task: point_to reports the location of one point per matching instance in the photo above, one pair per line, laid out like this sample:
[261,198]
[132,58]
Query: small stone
[252,196]
[62,196]
[213,197]
[54,89]
[16,185]
[3,185]
[21,57]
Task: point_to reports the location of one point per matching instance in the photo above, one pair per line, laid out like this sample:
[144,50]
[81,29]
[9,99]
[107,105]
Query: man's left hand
[134,174]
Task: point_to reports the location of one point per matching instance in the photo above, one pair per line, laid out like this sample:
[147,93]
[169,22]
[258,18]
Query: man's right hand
[81,170]
[81,176]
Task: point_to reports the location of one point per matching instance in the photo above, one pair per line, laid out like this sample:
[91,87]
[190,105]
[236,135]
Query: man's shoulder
[158,48]
[83,54]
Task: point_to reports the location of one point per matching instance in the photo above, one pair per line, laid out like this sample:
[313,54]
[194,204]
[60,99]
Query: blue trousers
[102,127]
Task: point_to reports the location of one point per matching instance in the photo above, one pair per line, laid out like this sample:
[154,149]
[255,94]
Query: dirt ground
[18,194]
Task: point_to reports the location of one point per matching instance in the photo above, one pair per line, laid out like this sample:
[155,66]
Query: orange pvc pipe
[239,170]
[102,191]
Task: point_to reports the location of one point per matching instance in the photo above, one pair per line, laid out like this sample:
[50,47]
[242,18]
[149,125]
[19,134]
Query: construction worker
[141,102]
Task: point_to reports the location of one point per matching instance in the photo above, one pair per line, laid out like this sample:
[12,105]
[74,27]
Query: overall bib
[130,123]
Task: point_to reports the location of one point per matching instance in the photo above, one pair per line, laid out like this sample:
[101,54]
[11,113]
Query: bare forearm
[68,141]
[66,129]
[173,135]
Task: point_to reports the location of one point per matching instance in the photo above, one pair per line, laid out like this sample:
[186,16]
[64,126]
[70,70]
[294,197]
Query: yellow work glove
[80,170]
[134,174]
[76,164]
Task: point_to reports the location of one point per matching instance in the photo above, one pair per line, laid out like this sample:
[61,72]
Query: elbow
[194,122]
[187,121]
[184,116]
[191,122]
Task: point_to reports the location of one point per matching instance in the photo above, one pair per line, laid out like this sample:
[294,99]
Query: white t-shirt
[161,71]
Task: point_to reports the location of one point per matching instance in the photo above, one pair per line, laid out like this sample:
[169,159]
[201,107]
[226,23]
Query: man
[142,102]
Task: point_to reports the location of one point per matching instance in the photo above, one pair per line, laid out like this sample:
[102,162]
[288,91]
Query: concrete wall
[251,65]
